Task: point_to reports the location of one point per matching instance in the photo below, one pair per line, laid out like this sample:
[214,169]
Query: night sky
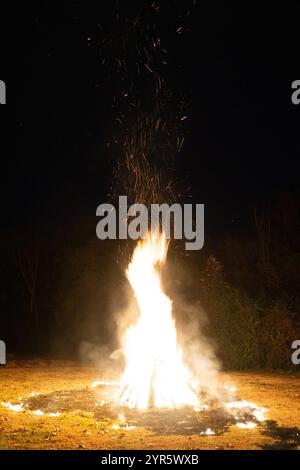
[79,75]
[233,67]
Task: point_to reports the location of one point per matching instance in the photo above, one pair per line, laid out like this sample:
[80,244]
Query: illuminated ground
[65,388]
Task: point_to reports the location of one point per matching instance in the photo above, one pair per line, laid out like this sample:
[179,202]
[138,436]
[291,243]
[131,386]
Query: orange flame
[155,373]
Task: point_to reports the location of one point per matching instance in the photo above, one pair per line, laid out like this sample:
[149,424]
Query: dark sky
[234,67]
[76,83]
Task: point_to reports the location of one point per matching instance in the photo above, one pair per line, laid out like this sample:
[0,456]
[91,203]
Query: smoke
[201,353]
[107,362]
[122,311]
[198,350]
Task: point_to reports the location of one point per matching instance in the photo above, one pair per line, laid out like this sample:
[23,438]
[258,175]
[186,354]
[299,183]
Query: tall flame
[155,373]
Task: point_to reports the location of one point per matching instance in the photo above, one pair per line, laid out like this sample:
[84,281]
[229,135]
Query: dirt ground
[82,423]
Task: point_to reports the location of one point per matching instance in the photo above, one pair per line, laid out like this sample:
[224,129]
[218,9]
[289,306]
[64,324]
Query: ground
[83,423]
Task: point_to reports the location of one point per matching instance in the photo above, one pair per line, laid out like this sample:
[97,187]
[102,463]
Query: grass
[79,427]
